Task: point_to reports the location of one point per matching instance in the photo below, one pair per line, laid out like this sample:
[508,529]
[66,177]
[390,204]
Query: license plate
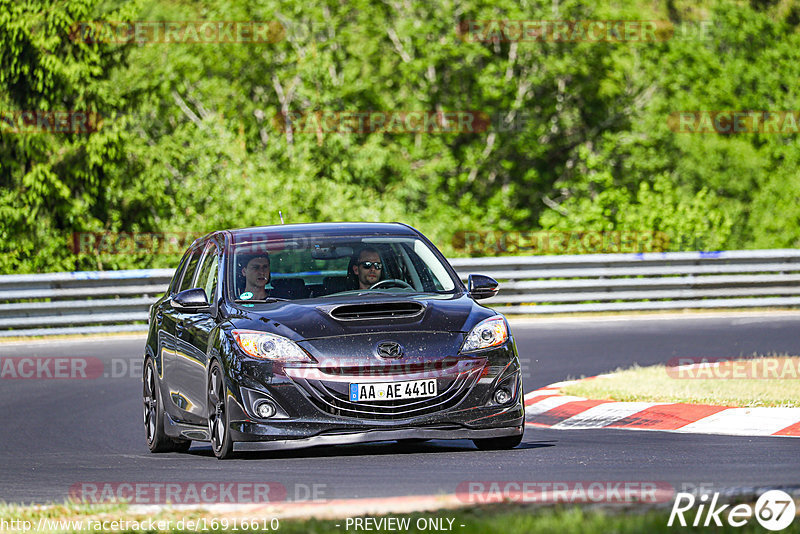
[380,391]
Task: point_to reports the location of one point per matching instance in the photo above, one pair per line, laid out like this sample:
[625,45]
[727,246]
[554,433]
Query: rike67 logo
[774,510]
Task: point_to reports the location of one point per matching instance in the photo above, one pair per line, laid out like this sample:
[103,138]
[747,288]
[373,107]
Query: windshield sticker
[246,295]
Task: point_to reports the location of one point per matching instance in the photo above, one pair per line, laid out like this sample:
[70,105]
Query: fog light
[265,409]
[502,396]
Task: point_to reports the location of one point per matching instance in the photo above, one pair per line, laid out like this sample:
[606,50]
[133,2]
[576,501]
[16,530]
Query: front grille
[377,310]
[391,369]
[333,398]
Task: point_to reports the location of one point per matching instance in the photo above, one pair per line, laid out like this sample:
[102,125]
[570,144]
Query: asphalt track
[55,434]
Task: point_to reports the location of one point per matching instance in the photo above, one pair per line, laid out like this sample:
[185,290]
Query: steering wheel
[392,282]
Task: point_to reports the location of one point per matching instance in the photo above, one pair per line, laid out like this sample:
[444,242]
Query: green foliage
[190,143]
[721,191]
[686,218]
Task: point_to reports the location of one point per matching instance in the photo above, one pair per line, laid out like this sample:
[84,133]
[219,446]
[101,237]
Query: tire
[218,429]
[153,412]
[498,444]
[181,445]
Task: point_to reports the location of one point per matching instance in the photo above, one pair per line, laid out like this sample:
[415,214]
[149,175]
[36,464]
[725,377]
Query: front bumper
[313,408]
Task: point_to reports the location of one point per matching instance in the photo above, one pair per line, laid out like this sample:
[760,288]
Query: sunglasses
[370,264]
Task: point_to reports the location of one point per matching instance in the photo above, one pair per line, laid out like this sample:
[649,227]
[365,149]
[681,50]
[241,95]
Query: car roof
[336,229]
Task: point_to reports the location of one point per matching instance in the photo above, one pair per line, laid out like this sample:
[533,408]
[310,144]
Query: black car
[322,334]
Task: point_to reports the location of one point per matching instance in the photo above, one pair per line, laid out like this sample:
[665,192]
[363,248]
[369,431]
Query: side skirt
[184,430]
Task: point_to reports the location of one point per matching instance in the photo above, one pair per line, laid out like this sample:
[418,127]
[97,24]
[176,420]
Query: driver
[256,274]
[368,268]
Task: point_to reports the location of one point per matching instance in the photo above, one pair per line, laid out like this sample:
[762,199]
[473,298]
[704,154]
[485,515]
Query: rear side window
[191,267]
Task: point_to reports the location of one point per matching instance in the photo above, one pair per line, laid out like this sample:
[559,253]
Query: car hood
[361,315]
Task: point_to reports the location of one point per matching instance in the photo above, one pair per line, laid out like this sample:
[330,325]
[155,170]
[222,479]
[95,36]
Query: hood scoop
[376,310]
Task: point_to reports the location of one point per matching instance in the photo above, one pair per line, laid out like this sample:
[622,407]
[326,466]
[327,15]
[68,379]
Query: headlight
[488,333]
[269,346]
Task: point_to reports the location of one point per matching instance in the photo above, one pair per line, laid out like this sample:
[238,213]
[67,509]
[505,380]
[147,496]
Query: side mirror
[190,299]
[482,287]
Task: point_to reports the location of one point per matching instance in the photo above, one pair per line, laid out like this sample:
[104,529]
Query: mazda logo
[390,349]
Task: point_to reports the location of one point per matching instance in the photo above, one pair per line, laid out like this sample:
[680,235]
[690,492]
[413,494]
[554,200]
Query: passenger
[257,275]
[367,268]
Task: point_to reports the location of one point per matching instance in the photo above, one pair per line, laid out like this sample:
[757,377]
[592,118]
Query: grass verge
[771,381]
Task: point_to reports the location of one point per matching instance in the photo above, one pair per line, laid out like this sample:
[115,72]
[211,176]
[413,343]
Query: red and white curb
[546,407]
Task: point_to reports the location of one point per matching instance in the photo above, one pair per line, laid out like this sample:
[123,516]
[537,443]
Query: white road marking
[599,320]
[761,421]
[604,414]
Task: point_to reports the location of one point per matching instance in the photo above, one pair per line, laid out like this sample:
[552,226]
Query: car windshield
[310,267]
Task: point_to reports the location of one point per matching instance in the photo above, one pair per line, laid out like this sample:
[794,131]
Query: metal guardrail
[79,302]
[117,301]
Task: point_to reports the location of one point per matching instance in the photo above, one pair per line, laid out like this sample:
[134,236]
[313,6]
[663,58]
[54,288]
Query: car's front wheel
[157,439]
[497,444]
[221,442]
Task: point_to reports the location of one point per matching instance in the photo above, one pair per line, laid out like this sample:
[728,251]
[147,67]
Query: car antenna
[280,215]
